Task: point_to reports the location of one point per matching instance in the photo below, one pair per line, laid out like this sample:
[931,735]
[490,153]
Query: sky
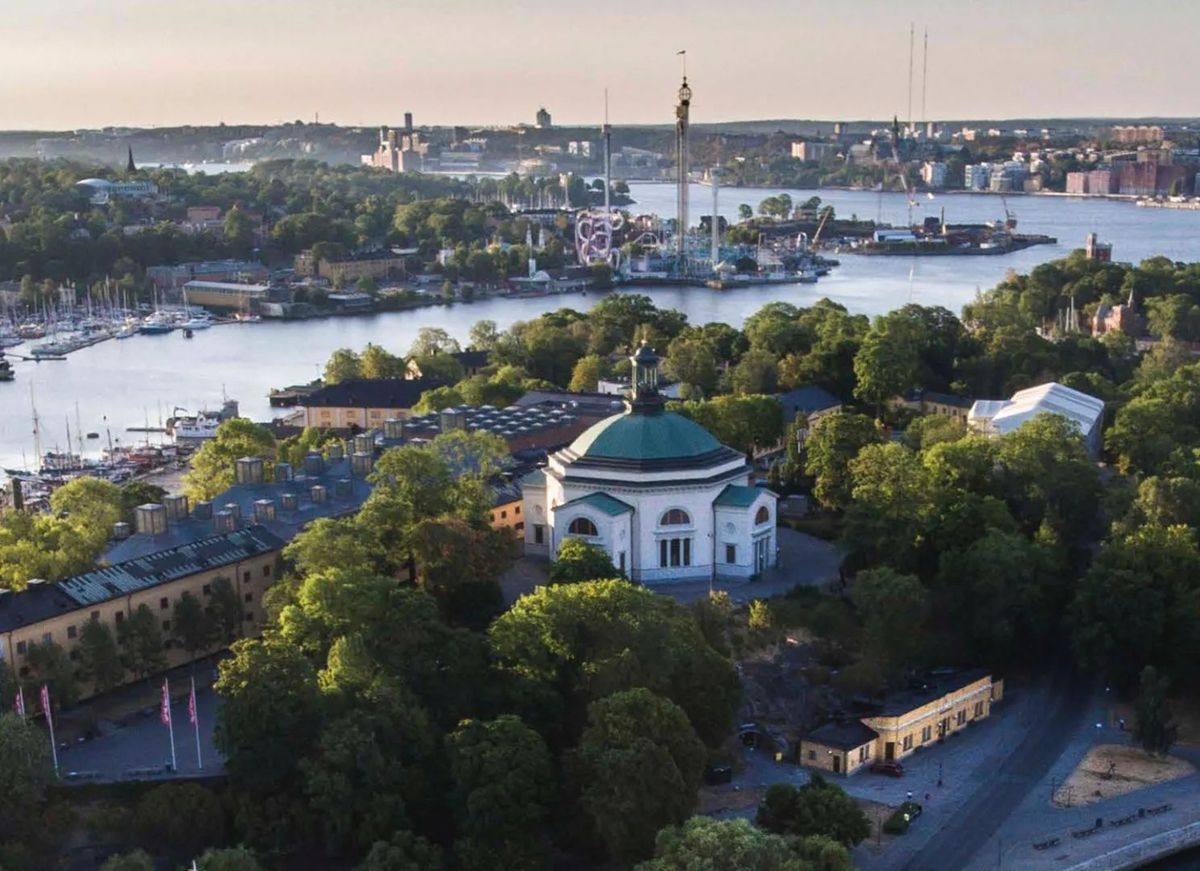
[84,63]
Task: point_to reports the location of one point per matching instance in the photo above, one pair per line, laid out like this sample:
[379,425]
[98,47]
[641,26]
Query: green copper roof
[737,496]
[536,478]
[601,502]
[632,436]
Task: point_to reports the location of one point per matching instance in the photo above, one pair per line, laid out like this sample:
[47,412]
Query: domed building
[656,491]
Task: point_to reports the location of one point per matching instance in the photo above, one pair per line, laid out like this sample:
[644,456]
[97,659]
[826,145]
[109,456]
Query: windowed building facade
[657,492]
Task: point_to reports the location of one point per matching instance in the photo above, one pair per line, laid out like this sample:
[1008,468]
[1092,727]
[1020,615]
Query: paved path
[1053,716]
[804,560]
[143,746]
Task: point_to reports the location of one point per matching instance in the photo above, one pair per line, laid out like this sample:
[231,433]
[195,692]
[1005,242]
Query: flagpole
[194,715]
[50,723]
[166,715]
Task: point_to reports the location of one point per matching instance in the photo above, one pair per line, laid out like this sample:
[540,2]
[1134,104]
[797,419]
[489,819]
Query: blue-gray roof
[536,478]
[601,502]
[286,525]
[807,398]
[738,496]
[208,553]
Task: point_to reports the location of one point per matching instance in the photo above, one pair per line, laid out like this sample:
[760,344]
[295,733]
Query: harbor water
[118,384]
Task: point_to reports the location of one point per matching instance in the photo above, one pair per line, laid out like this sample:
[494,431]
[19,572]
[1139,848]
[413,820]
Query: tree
[483,335]
[180,819]
[747,422]
[832,444]
[692,360]
[212,466]
[893,608]
[268,716]
[141,638]
[816,808]
[886,364]
[193,628]
[433,340]
[640,766]
[239,231]
[578,561]
[745,213]
[25,771]
[99,657]
[440,367]
[404,852]
[736,845]
[343,365]
[504,783]
[137,493]
[228,859]
[225,610]
[755,373]
[437,399]
[378,363]
[587,372]
[571,644]
[49,664]
[137,860]
[1154,731]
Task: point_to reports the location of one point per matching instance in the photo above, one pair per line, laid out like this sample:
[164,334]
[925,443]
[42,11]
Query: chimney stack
[151,519]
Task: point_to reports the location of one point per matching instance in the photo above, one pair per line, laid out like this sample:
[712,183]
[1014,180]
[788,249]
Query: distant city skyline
[73,63]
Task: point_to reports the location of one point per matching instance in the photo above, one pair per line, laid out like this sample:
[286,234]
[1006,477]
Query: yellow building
[905,722]
[226,295]
[363,403]
[57,613]
[934,403]
[349,268]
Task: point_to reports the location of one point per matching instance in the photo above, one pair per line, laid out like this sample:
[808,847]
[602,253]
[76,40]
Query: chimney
[336,452]
[203,511]
[317,493]
[248,470]
[362,463]
[235,511]
[364,443]
[451,419]
[264,510]
[151,519]
[120,531]
[393,429]
[283,472]
[289,501]
[177,508]
[314,465]
[224,521]
[343,489]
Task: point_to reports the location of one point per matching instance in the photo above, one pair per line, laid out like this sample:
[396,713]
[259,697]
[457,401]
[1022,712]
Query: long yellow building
[904,723]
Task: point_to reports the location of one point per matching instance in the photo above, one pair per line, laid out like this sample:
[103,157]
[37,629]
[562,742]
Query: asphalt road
[957,842]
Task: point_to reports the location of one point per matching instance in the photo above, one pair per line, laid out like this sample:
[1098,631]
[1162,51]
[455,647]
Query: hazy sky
[74,63]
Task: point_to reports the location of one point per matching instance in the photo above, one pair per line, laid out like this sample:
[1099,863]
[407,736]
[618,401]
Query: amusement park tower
[681,180]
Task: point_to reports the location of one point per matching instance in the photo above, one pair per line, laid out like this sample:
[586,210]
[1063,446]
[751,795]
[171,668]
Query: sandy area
[1112,769]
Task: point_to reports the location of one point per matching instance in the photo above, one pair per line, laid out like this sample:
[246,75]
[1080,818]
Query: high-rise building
[543,119]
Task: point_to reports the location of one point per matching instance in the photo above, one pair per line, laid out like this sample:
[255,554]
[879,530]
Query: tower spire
[682,120]
[130,166]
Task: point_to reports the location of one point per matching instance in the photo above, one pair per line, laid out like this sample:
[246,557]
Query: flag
[192,704]
[165,706]
[19,704]
[46,703]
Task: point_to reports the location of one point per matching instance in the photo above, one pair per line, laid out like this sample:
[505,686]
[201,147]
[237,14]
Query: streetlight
[939,773]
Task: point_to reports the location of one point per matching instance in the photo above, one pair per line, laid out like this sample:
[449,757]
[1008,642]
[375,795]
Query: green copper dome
[641,437]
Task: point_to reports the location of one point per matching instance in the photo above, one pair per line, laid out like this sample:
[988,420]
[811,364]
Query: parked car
[891,769]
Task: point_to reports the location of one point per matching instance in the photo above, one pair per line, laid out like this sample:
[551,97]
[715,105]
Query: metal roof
[142,573]
[601,502]
[635,436]
[739,496]
[1051,398]
[844,736]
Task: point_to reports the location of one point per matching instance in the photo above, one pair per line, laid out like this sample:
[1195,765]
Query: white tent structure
[1002,416]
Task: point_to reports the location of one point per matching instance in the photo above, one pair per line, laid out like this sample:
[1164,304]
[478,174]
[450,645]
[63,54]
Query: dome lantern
[645,380]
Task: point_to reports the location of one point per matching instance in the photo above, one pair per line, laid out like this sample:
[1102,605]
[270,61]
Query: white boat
[203,424]
[127,331]
[198,322]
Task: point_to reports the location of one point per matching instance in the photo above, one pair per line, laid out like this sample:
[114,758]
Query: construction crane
[826,213]
[1010,220]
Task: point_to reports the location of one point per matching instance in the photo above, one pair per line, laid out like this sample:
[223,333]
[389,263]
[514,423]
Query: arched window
[763,515]
[675,517]
[583,526]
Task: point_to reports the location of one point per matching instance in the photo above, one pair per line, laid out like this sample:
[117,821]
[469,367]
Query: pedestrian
[926,797]
[908,796]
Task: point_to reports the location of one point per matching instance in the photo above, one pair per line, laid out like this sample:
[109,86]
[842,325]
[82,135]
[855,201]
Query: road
[1005,788]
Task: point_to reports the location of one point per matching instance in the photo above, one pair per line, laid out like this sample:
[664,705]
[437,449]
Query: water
[127,383]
